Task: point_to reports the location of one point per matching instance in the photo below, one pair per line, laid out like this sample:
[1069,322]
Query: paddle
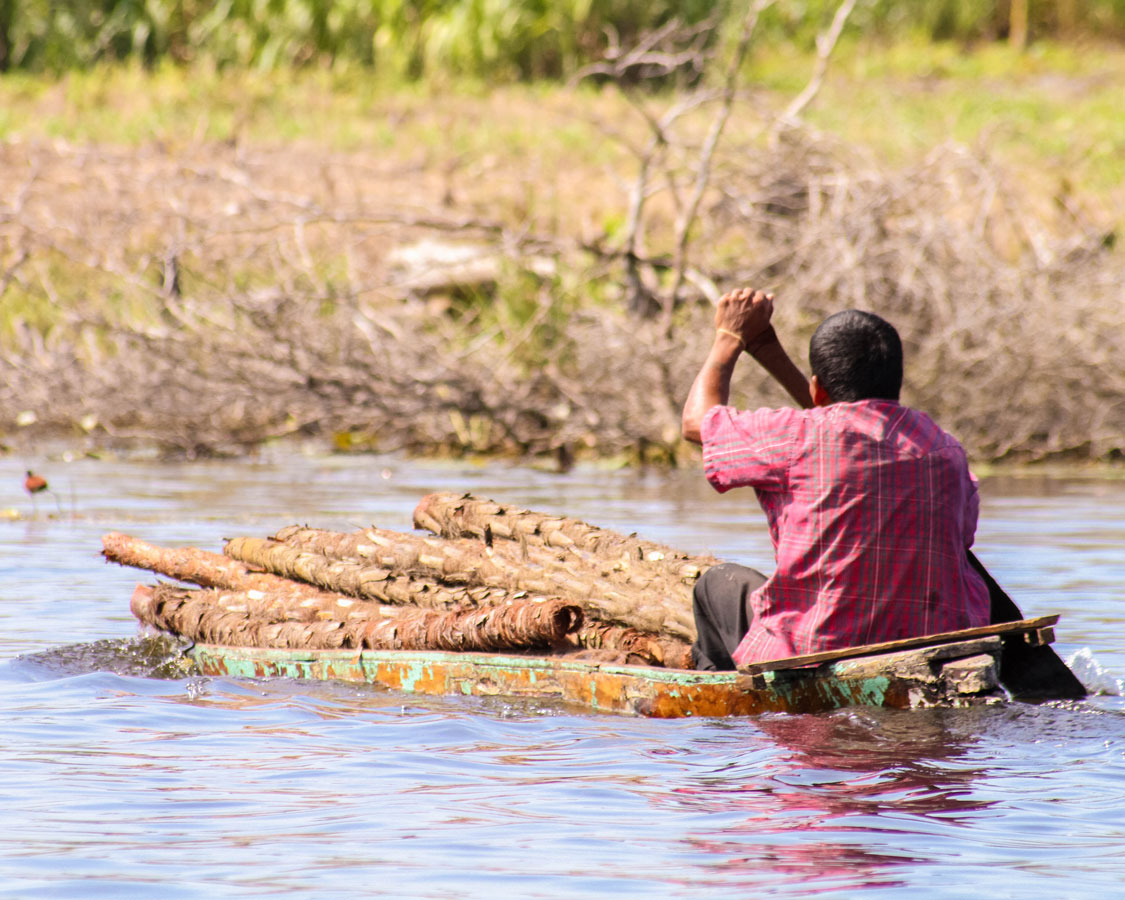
[1027,672]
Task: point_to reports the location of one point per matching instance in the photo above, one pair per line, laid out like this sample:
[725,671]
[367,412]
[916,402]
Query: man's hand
[741,319]
[744,312]
[742,322]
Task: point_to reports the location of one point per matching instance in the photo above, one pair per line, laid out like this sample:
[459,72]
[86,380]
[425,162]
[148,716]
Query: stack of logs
[495,578]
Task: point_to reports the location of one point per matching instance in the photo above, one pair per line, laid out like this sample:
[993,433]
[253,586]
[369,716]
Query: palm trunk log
[229,618]
[264,598]
[497,578]
[647,600]
[637,646]
[464,516]
[360,579]
[510,564]
[213,570]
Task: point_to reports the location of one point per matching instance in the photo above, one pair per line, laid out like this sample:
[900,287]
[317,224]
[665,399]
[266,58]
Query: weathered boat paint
[898,680]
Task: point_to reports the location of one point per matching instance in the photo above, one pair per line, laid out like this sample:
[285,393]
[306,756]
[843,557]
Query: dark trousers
[721,603]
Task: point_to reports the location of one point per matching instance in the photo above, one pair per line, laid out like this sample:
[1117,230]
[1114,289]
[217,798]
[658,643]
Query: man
[870,505]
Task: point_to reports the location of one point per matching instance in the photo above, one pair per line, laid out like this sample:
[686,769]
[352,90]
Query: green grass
[1054,107]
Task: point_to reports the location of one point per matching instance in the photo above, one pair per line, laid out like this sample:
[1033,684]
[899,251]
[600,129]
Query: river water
[120,777]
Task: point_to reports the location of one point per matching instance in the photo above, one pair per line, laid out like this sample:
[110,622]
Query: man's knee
[727,579]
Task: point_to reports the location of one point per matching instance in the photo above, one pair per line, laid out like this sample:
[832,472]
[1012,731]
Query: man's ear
[817,393]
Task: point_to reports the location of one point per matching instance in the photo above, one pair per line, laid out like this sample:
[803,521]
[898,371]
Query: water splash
[1091,673]
[150,656]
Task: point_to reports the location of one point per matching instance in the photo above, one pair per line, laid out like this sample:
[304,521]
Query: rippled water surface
[120,777]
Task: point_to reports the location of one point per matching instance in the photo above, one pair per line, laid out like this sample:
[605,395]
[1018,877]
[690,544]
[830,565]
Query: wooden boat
[961,668]
[465,613]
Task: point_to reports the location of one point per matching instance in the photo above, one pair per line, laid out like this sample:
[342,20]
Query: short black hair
[857,355]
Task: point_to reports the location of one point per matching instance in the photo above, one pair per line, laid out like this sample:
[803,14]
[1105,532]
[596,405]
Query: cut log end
[142,604]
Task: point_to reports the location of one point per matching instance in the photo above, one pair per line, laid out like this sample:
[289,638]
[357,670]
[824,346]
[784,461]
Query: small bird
[37,484]
[34,484]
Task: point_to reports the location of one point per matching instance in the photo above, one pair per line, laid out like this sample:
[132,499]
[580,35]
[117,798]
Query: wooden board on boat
[950,674]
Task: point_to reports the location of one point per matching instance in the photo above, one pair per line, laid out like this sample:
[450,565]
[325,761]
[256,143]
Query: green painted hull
[906,680]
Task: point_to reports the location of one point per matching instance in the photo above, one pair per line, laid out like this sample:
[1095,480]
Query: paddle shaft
[767,352]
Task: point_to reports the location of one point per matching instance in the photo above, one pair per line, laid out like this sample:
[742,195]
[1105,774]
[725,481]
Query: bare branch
[703,168]
[825,44]
[672,48]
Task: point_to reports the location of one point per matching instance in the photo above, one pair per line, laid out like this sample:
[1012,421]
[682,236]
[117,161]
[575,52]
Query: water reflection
[819,867]
[806,809]
[863,761]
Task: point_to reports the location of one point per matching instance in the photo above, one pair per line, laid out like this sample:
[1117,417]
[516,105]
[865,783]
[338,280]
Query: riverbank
[203,262]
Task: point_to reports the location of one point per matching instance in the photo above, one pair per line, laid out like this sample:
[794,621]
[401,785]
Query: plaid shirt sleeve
[751,448]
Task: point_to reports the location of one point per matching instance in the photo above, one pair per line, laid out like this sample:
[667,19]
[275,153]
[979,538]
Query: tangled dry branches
[216,297]
[1012,322]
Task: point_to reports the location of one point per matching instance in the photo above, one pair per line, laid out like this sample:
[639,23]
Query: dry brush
[219,297]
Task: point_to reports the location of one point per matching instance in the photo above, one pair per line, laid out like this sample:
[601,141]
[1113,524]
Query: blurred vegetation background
[493,39]
[497,226]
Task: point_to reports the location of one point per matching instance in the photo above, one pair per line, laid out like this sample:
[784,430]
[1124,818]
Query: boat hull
[933,677]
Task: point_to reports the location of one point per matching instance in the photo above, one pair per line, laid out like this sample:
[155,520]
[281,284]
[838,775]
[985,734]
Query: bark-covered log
[226,618]
[437,563]
[360,579]
[462,515]
[513,565]
[337,544]
[214,570]
[321,588]
[215,616]
[643,648]
[248,600]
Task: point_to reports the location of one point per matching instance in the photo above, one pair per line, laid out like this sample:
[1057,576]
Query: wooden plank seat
[1036,632]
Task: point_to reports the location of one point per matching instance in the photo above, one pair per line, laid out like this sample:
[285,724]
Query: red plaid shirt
[871,508]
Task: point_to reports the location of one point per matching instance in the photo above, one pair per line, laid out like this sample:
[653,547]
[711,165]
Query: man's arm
[771,356]
[745,313]
[711,386]
[742,317]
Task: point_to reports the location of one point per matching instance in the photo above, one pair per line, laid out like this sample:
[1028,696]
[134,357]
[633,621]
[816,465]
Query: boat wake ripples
[151,656]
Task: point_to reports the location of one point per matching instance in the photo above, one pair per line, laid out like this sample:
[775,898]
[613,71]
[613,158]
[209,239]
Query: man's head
[856,356]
